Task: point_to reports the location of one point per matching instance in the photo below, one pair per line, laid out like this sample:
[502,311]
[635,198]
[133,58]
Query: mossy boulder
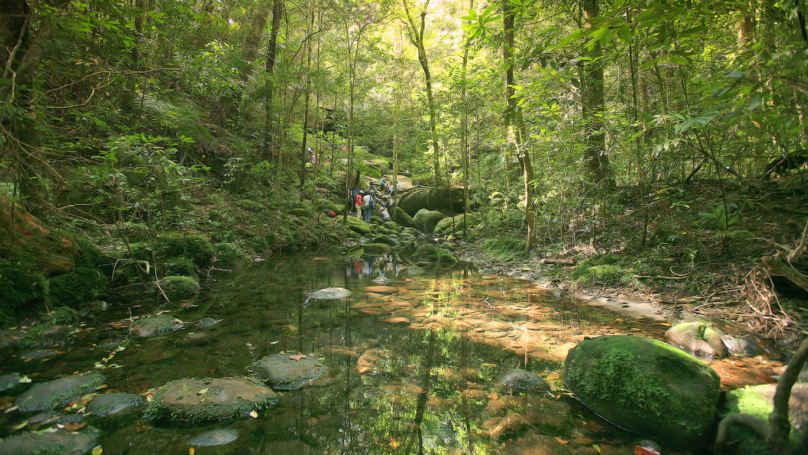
[392,225]
[401,217]
[229,253]
[179,266]
[455,225]
[44,443]
[58,392]
[414,199]
[200,400]
[153,326]
[645,386]
[384,239]
[698,337]
[358,226]
[9,381]
[289,372]
[177,287]
[426,220]
[21,282]
[758,401]
[301,212]
[84,283]
[195,247]
[377,248]
[434,254]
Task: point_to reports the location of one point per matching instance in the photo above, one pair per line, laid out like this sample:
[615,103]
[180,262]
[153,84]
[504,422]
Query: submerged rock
[40,354]
[62,443]
[382,280]
[330,294]
[113,403]
[289,371]
[414,270]
[645,386]
[521,380]
[153,326]
[58,392]
[214,438]
[9,381]
[198,400]
[206,322]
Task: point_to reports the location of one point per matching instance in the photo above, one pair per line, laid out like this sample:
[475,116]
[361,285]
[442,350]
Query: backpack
[370,203]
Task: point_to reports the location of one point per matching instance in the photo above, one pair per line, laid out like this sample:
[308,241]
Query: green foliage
[604,270]
[177,287]
[505,247]
[84,283]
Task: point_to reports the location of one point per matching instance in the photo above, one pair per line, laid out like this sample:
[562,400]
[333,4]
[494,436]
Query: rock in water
[289,371]
[9,381]
[63,443]
[382,280]
[113,403]
[645,386]
[214,438]
[58,392]
[521,380]
[155,326]
[698,337]
[198,400]
[330,294]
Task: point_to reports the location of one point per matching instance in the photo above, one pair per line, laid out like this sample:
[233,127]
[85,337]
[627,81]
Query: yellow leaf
[202,392]
[191,451]
[254,415]
[596,447]
[97,450]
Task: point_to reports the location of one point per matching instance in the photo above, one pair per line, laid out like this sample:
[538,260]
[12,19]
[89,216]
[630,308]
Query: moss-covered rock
[21,282]
[384,239]
[645,386]
[289,372]
[177,287]
[758,401]
[401,217]
[301,212]
[229,253]
[86,282]
[179,266]
[358,226]
[377,248]
[44,443]
[9,381]
[426,220]
[392,225]
[200,400]
[195,247]
[58,392]
[434,254]
[455,225]
[113,403]
[153,326]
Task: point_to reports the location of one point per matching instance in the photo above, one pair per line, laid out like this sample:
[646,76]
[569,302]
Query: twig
[678,278]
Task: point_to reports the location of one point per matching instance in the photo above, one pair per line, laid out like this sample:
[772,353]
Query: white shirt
[366,200]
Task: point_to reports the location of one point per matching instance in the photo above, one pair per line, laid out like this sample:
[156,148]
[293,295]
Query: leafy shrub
[21,282]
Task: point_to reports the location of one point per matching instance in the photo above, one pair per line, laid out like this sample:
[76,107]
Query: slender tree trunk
[464,130]
[258,22]
[269,101]
[304,158]
[597,162]
[517,126]
[416,35]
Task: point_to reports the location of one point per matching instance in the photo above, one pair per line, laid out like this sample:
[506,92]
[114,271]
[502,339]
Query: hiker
[383,183]
[395,190]
[368,204]
[354,193]
[358,204]
[385,214]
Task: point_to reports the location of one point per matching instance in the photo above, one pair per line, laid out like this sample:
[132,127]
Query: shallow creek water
[442,340]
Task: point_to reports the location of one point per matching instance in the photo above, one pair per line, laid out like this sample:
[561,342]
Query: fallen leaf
[97,451]
[562,441]
[191,451]
[75,426]
[20,426]
[254,415]
[297,358]
[202,392]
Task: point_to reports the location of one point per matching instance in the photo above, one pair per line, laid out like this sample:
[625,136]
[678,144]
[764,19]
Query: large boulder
[61,442]
[401,217]
[289,371]
[377,249]
[434,254]
[414,199]
[645,386]
[455,225]
[426,220]
[176,287]
[358,226]
[198,400]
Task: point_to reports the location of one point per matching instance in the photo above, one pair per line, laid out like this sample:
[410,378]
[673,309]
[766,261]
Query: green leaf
[625,34]
[756,102]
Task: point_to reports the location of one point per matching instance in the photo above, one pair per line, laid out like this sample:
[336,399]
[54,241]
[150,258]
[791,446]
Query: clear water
[436,388]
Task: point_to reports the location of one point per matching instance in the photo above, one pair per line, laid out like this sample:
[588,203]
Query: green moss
[605,270]
[401,217]
[85,283]
[229,253]
[505,247]
[435,254]
[21,282]
[63,316]
[178,287]
[194,247]
[179,267]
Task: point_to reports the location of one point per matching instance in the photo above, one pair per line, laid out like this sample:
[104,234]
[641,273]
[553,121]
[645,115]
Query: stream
[414,365]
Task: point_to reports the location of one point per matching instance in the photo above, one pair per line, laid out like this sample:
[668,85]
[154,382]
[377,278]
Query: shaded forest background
[593,120]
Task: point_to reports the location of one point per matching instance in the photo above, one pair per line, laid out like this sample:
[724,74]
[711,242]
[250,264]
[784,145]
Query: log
[779,266]
[558,261]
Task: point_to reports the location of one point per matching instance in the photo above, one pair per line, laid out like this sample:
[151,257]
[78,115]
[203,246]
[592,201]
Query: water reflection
[414,365]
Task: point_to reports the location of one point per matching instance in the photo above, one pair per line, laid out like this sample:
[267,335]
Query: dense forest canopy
[560,105]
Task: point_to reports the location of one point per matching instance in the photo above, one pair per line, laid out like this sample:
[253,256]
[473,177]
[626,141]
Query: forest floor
[664,278]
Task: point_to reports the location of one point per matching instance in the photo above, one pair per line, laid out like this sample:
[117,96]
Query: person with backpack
[368,204]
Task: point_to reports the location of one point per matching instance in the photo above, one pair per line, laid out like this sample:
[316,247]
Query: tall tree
[415,32]
[597,162]
[516,125]
[269,101]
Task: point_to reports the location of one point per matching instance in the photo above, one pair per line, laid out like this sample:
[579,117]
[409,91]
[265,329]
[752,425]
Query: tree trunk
[258,22]
[597,162]
[304,158]
[416,35]
[464,129]
[272,49]
[517,126]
